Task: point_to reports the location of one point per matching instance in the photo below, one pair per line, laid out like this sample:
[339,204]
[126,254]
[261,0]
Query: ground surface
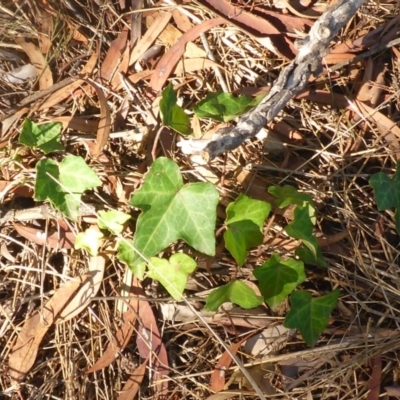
[327,143]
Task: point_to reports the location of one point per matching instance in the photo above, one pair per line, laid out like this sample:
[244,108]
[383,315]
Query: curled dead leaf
[26,348]
[61,238]
[87,291]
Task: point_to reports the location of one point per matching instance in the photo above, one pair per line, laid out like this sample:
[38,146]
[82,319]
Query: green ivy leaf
[387,192]
[287,195]
[277,278]
[310,315]
[75,177]
[244,222]
[236,292]
[112,220]
[172,211]
[301,228]
[45,137]
[224,107]
[172,274]
[173,115]
[128,255]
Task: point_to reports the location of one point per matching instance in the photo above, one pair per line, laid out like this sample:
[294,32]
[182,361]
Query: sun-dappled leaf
[173,115]
[171,211]
[224,107]
[74,175]
[277,278]
[112,220]
[172,273]
[387,192]
[45,137]
[244,222]
[236,292]
[310,315]
[90,240]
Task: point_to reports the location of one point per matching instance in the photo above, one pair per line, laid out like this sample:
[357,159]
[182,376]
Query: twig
[291,80]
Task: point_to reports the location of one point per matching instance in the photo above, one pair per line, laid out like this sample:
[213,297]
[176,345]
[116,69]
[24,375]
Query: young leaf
[172,274]
[75,177]
[387,192]
[244,221]
[89,240]
[301,228]
[236,292]
[310,315]
[224,107]
[277,278]
[45,137]
[173,211]
[173,115]
[112,220]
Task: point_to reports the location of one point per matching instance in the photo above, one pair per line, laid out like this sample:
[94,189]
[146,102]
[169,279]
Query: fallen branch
[291,80]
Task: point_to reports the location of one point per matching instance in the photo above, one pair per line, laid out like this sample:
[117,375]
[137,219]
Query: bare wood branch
[291,80]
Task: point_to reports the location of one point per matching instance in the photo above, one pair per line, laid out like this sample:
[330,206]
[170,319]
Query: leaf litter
[336,135]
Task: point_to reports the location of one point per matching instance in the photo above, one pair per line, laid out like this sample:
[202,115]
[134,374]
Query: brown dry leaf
[150,36]
[393,391]
[182,21]
[66,92]
[12,121]
[37,59]
[132,385]
[76,35]
[25,349]
[61,238]
[149,341]
[172,56]
[77,123]
[336,58]
[218,376]
[171,35]
[19,190]
[46,23]
[267,33]
[87,290]
[285,130]
[194,64]
[375,379]
[122,338]
[291,23]
[104,128]
[135,78]
[113,55]
[122,69]
[260,344]
[226,395]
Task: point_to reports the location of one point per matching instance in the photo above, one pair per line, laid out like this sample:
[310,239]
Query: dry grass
[364,265]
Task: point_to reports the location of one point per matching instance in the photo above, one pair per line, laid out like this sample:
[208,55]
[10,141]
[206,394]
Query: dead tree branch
[291,80]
